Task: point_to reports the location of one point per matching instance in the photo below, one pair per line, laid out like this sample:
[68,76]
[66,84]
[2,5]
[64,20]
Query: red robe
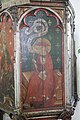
[41,93]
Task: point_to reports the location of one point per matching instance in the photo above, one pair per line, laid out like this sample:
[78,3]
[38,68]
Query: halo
[41,46]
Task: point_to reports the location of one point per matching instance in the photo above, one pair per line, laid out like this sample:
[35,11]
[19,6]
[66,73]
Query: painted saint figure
[42,83]
[41,88]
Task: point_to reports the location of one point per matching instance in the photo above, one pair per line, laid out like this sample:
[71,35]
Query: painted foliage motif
[41,59]
[6,60]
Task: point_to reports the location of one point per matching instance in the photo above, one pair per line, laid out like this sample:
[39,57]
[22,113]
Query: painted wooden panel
[41,48]
[6,60]
[41,37]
